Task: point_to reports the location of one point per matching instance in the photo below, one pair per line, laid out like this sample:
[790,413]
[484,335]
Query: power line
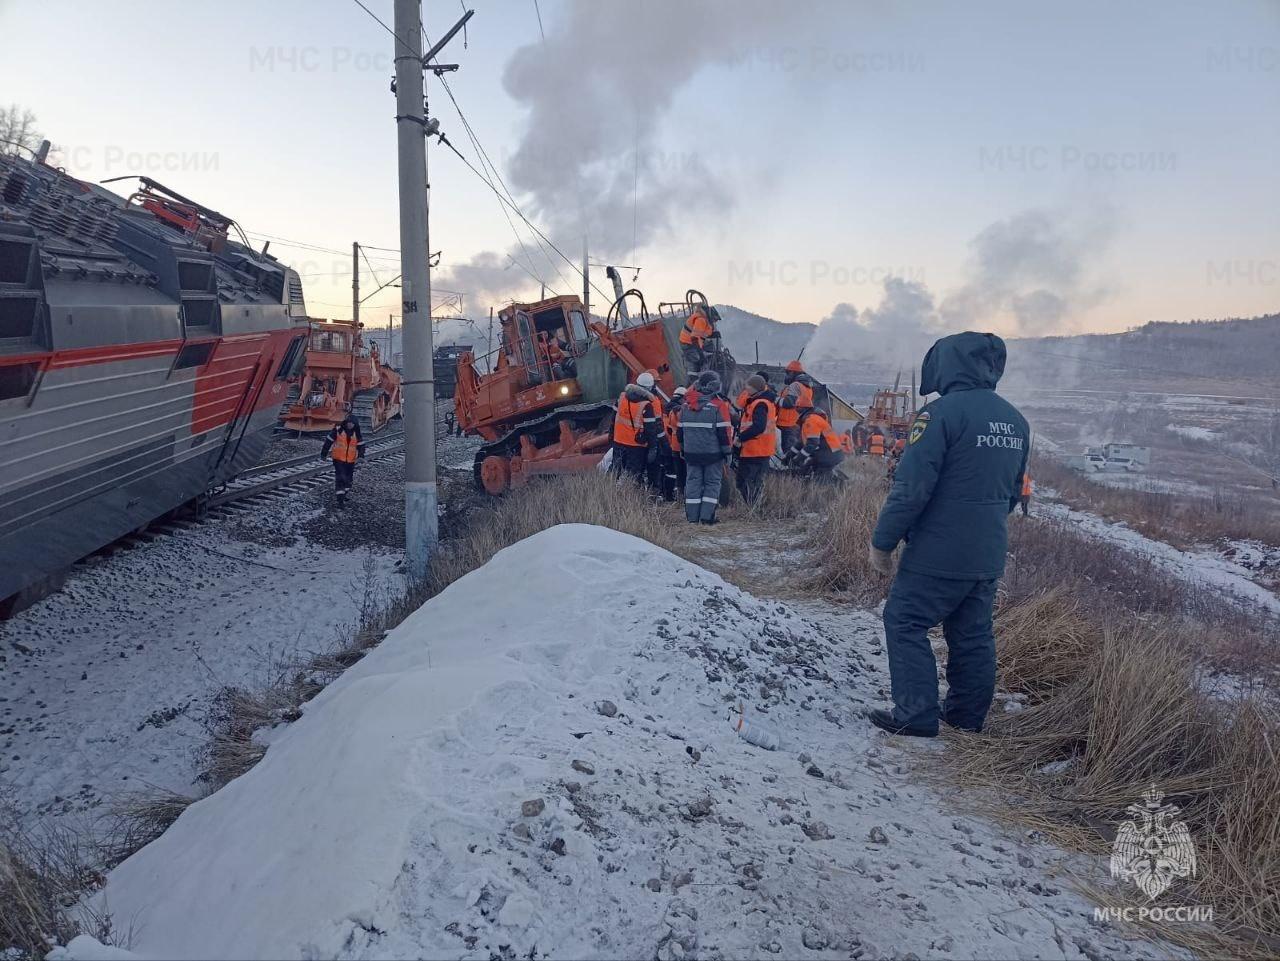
[487,164]
[448,143]
[538,11]
[378,20]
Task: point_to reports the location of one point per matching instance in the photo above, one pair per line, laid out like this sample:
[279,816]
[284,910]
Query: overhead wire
[487,164]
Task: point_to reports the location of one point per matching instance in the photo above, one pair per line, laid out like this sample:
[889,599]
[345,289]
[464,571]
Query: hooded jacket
[959,474]
[705,432]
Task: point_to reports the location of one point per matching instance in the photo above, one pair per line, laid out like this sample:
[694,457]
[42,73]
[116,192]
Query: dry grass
[1120,702]
[840,544]
[787,498]
[1179,519]
[592,498]
[42,875]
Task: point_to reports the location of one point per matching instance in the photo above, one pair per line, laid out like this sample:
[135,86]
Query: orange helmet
[794,367]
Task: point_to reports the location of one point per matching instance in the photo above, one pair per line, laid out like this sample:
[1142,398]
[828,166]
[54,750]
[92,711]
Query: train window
[577,326]
[16,380]
[18,316]
[200,313]
[194,355]
[194,276]
[330,340]
[292,360]
[15,260]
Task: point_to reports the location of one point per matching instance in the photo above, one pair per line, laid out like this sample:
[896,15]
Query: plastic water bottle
[753,732]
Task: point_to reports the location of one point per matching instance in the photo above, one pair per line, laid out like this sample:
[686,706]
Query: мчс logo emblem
[1152,849]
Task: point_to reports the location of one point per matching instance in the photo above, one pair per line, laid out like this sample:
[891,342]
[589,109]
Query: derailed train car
[143,359]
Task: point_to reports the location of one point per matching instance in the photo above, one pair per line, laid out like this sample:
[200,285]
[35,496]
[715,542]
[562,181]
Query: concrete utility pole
[355,282]
[421,526]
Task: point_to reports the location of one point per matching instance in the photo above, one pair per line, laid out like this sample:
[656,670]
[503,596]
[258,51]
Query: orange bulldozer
[547,402]
[343,375]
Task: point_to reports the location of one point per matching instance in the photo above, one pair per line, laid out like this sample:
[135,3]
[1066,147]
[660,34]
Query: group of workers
[689,441]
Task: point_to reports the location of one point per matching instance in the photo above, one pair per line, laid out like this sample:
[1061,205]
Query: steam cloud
[593,153]
[1028,275]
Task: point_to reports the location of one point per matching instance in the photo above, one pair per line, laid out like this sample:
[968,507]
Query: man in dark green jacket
[957,482]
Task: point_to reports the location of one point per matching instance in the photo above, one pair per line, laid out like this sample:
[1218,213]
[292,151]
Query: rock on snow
[382,823]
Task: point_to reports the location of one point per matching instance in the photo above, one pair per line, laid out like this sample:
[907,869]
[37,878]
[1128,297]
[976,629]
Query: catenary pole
[420,496]
[355,282]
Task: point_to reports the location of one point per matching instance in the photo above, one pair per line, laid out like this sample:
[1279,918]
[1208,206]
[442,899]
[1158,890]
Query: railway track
[294,474]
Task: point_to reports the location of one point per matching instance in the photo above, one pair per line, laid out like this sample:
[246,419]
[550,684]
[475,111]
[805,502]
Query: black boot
[885,721]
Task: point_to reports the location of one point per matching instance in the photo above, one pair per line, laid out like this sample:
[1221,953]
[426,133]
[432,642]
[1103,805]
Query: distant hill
[1202,355]
[742,330]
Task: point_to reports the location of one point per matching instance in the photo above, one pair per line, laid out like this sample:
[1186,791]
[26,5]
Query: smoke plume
[1028,275]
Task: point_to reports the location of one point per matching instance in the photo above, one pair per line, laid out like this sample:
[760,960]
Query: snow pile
[538,763]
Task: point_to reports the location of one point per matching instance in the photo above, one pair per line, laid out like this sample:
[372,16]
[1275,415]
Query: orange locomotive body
[344,374]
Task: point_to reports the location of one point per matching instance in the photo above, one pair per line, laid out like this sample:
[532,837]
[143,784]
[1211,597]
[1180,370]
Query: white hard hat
[681,391]
[645,380]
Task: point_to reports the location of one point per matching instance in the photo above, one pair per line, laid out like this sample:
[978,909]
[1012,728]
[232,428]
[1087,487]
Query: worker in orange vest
[698,329]
[635,428]
[875,445]
[757,439]
[795,399]
[820,452]
[347,444]
[1024,496]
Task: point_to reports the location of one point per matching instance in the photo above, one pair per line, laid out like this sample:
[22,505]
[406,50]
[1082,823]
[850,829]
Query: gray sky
[1028,167]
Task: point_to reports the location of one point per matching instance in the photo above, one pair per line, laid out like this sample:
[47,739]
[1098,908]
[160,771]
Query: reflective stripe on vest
[628,425]
[345,448]
[766,444]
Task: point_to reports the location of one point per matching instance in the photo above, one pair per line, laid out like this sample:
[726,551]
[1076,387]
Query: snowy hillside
[778,342]
[538,762]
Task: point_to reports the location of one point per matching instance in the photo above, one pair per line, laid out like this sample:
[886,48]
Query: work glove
[881,561]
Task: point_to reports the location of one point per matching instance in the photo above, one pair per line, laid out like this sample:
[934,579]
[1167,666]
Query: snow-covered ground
[539,763]
[105,682]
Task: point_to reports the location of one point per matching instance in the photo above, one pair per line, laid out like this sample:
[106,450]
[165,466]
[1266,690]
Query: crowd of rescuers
[954,478]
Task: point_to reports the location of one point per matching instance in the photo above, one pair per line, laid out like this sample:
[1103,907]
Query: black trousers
[630,461]
[343,474]
[751,475]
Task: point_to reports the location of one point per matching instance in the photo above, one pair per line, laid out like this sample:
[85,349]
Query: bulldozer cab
[544,339]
